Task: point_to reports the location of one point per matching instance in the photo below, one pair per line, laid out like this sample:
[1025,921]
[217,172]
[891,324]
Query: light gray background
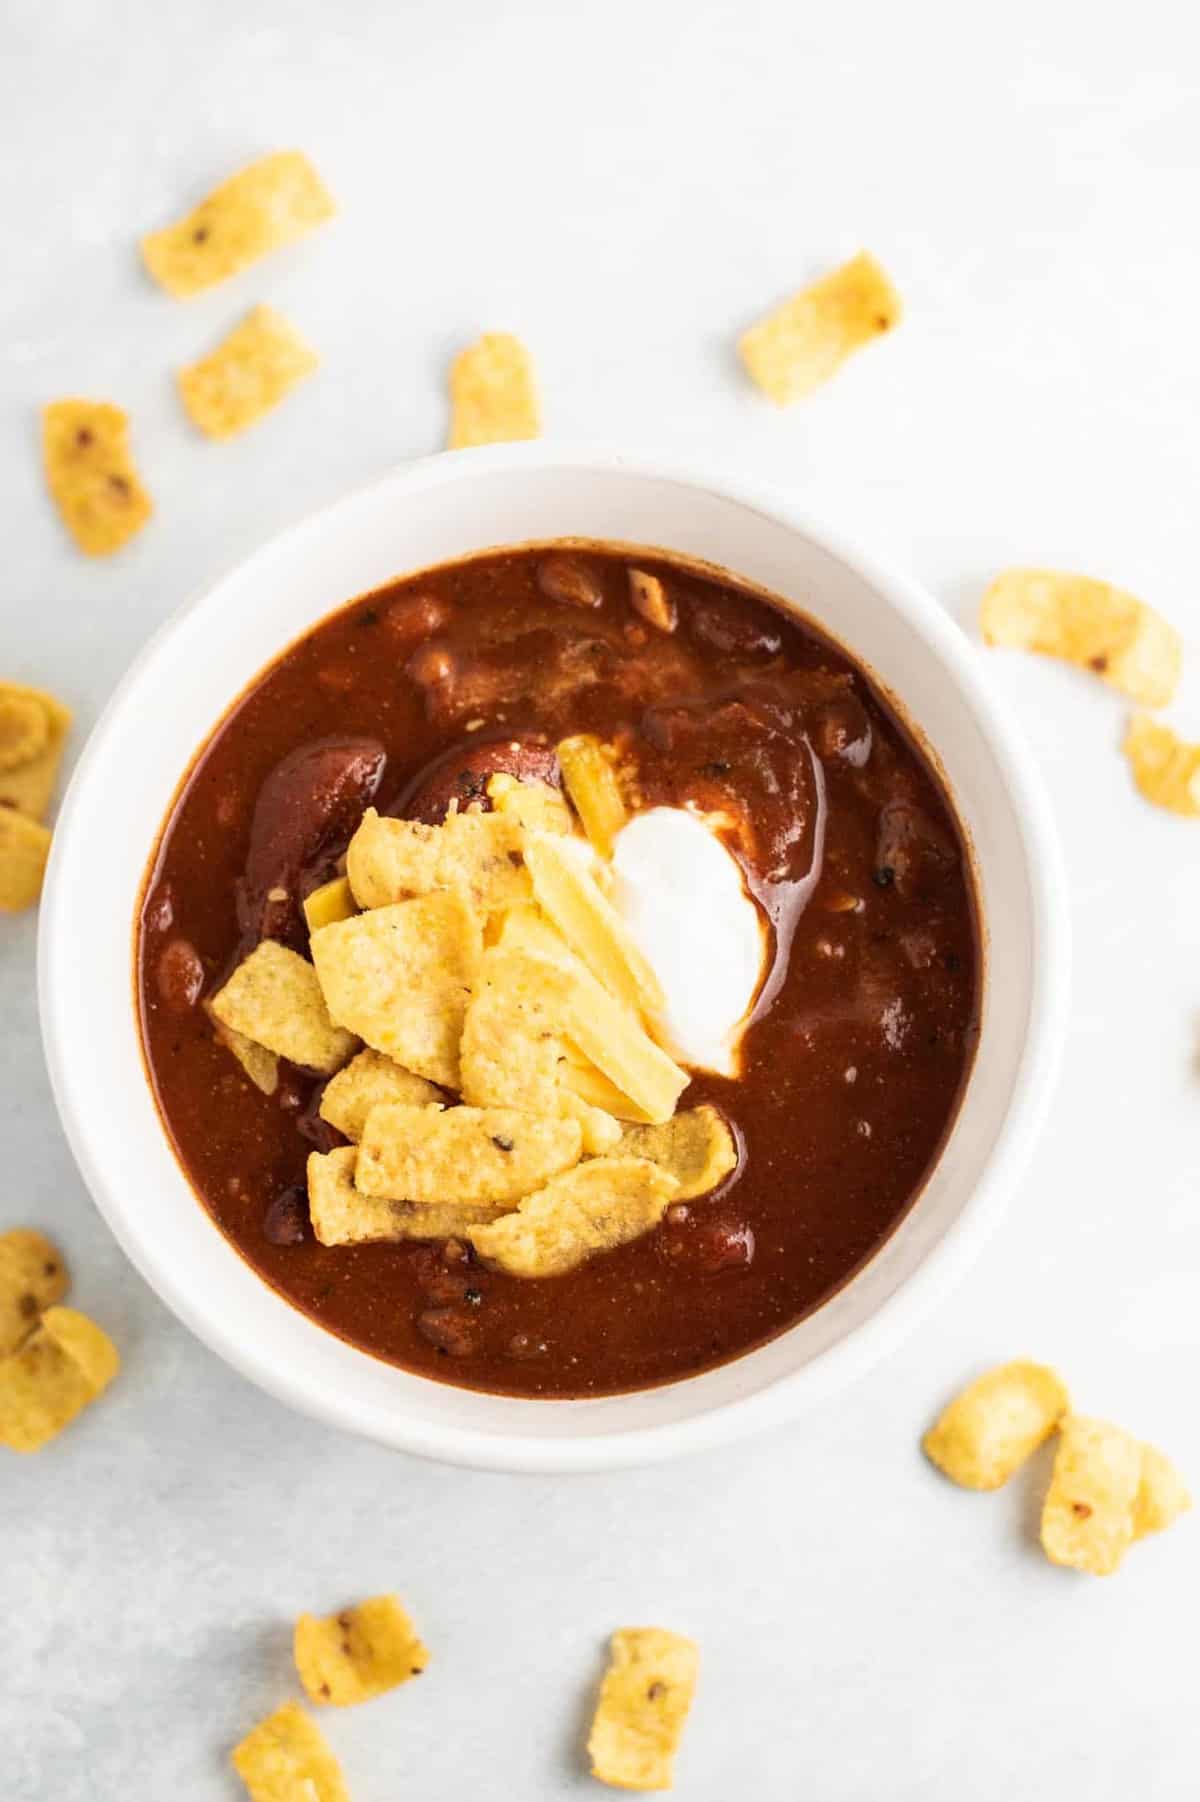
[627,186]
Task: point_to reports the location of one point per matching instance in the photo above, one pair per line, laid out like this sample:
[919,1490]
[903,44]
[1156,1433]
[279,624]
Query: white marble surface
[627,185]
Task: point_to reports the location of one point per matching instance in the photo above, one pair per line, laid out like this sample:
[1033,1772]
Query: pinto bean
[569,579]
[416,616]
[179,975]
[286,1220]
[432,666]
[450,1330]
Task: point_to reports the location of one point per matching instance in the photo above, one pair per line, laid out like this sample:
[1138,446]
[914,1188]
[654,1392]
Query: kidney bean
[711,1244]
[444,1277]
[569,579]
[462,774]
[158,914]
[733,627]
[309,1123]
[911,852]
[286,1221]
[179,975]
[450,1331]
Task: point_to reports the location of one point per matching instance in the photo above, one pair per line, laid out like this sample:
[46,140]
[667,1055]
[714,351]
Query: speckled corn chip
[1088,1514]
[599,1205]
[63,1365]
[696,1148]
[368,1081]
[400,978]
[285,1759]
[27,782]
[462,1154]
[1162,1495]
[1088,623]
[591,781]
[536,806]
[24,848]
[1165,768]
[806,340]
[493,393]
[247,375]
[33,1277]
[332,901]
[342,1215]
[268,204]
[479,855]
[274,998]
[362,1652]
[644,1703]
[91,475]
[572,900]
[259,1064]
[998,1421]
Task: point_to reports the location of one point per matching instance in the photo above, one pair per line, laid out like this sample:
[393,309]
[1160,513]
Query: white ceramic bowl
[178,689]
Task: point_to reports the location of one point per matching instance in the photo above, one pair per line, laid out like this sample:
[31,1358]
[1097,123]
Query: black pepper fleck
[884,876]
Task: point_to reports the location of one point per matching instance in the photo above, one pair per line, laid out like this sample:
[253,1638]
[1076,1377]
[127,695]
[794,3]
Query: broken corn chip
[274,998]
[1165,768]
[998,1421]
[64,1364]
[332,901]
[493,393]
[91,474]
[696,1147]
[1088,1514]
[595,792]
[1088,623]
[1162,1495]
[285,1759]
[259,1064]
[536,806]
[26,785]
[479,855]
[268,204]
[249,373]
[33,1277]
[600,1204]
[644,1703]
[368,1081]
[462,1154]
[24,849]
[342,1215]
[806,340]
[357,1654]
[590,924]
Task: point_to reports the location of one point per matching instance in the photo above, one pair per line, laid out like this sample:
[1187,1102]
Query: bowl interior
[182,684]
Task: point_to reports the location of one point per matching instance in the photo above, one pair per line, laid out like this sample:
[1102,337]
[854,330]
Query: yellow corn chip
[24,848]
[63,1365]
[600,1204]
[247,375]
[806,340]
[90,474]
[27,786]
[583,1079]
[590,924]
[368,1081]
[493,393]
[998,1421]
[33,1277]
[401,976]
[1088,1514]
[260,209]
[24,728]
[526,928]
[342,1215]
[1165,768]
[696,1147]
[332,901]
[536,806]
[259,1064]
[1162,1495]
[477,854]
[357,1654]
[462,1154]
[285,1759]
[275,999]
[1088,623]
[591,782]
[644,1704]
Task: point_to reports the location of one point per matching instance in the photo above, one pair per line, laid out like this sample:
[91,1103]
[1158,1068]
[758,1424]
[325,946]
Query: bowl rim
[942,1266]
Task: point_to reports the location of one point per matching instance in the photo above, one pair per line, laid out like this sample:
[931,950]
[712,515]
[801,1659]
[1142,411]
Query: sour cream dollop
[681,894]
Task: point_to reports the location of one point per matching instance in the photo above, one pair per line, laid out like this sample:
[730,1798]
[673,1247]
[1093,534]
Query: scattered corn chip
[24,848]
[696,1148]
[1088,623]
[33,1277]
[1165,768]
[332,901]
[600,1204]
[536,806]
[477,854]
[400,977]
[590,924]
[260,209]
[1162,1495]
[28,785]
[249,373]
[369,1081]
[644,1703]
[806,340]
[63,1365]
[285,1759]
[357,1654]
[591,782]
[462,1154]
[342,1215]
[526,928]
[998,1421]
[24,728]
[493,393]
[1088,1514]
[259,1064]
[90,474]
[275,999]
